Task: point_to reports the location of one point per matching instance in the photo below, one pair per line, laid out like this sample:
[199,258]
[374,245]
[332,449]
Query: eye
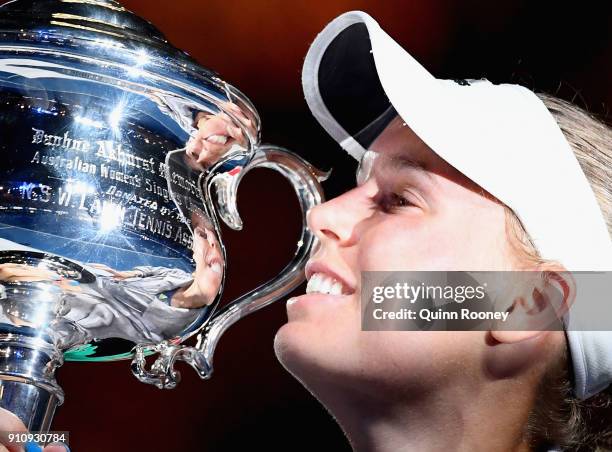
[391,202]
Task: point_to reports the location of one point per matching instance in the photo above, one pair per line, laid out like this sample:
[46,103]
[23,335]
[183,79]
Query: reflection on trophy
[121,156]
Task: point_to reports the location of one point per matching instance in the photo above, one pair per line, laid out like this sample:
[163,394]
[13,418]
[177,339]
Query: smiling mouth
[215,267]
[213,262]
[327,285]
[217,139]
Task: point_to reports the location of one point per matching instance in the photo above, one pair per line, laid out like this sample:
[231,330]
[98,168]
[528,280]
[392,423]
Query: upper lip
[313,267]
[216,126]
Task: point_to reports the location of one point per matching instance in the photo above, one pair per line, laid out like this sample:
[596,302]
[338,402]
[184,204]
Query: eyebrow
[399,162]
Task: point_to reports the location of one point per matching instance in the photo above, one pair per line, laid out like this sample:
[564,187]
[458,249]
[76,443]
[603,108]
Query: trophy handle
[305,180]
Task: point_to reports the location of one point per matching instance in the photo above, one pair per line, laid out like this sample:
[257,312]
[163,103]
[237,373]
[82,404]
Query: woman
[468,176]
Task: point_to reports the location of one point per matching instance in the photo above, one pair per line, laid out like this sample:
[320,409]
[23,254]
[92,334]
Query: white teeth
[321,283]
[312,283]
[336,289]
[325,285]
[217,139]
[216,267]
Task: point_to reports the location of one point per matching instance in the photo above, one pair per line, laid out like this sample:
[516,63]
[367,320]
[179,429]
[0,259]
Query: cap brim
[342,84]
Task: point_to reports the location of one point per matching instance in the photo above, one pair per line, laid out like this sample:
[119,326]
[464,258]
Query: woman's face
[216,135]
[414,212]
[208,257]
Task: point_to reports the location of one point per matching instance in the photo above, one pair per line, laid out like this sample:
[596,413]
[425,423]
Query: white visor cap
[502,137]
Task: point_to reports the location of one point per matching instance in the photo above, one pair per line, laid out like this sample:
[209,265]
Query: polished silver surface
[28,387]
[121,155]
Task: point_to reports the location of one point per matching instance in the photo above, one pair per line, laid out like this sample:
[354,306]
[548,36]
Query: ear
[539,302]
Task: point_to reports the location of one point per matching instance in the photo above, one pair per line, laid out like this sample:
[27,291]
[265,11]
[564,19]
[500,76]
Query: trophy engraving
[121,156]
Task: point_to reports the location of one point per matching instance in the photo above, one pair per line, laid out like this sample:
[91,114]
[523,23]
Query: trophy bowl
[121,156]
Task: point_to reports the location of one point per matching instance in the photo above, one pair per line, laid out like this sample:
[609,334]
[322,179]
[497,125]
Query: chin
[291,344]
[298,350]
[307,354]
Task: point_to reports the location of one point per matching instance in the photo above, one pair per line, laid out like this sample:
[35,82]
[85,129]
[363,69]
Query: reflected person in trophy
[215,136]
[208,275]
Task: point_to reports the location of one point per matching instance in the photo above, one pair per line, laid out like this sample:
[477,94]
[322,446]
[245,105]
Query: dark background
[259,46]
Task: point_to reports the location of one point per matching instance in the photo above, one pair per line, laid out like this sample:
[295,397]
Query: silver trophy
[120,156]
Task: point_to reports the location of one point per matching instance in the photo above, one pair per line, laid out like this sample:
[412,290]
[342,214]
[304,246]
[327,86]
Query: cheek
[405,244]
[450,241]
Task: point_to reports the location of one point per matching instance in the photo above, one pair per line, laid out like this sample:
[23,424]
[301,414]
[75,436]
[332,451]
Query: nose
[337,219]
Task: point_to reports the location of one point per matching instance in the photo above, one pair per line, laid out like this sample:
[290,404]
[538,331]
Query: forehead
[398,146]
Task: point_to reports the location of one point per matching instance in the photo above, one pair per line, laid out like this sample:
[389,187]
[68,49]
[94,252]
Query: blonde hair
[558,418]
